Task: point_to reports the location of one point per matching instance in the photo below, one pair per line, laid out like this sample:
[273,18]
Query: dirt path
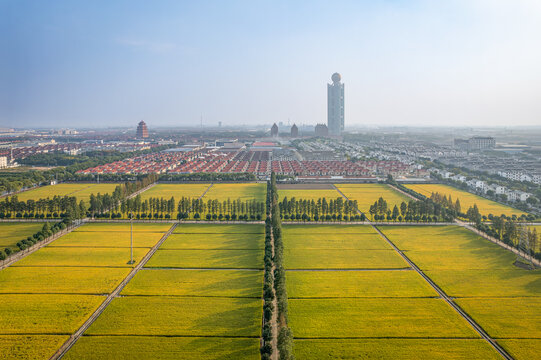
[73,338]
[442,294]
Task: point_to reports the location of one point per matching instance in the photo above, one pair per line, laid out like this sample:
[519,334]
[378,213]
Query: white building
[335,105]
[3,162]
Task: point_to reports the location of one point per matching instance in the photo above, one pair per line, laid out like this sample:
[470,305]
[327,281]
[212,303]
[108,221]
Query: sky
[404,63]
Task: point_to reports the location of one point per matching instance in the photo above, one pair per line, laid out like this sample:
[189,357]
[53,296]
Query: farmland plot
[367,194]
[12,233]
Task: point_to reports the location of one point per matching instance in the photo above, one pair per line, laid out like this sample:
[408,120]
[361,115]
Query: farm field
[60,280]
[81,256]
[215,241]
[506,317]
[308,194]
[166,313]
[124,227]
[164,348]
[180,316]
[367,194]
[509,282]
[369,317]
[115,239]
[12,233]
[178,191]
[340,230]
[246,191]
[81,190]
[500,297]
[30,347]
[53,314]
[406,349]
[208,283]
[219,259]
[323,284]
[467,199]
[361,241]
[219,229]
[342,259]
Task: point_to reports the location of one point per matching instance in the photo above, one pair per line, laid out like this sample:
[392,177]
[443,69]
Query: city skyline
[407,63]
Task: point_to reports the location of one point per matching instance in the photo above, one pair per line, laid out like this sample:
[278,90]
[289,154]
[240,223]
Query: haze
[417,63]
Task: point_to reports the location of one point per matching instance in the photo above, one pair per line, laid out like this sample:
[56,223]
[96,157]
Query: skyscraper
[335,105]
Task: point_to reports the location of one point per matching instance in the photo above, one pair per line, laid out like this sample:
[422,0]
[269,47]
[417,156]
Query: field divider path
[274,318]
[24,253]
[74,337]
[402,192]
[442,294]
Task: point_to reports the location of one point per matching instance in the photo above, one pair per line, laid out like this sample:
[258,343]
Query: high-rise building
[321,130]
[274,130]
[294,131]
[142,130]
[335,105]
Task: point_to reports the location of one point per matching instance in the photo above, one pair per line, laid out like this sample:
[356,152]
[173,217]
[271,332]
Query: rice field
[483,281]
[246,191]
[178,191]
[203,283]
[80,190]
[12,233]
[114,239]
[342,259]
[308,194]
[180,316]
[164,348]
[467,199]
[168,311]
[405,349]
[30,347]
[367,194]
[369,318]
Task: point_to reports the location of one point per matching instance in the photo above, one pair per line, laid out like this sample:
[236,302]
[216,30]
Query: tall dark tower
[274,130]
[335,105]
[142,130]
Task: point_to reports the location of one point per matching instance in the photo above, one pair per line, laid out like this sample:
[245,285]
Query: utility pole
[131,240]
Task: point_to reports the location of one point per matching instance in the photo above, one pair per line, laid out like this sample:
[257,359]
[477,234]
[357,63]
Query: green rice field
[81,191]
[13,232]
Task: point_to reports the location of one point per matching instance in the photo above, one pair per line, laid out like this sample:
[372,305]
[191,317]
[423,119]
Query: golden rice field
[219,259]
[308,194]
[367,194]
[467,199]
[164,348]
[108,239]
[223,283]
[14,232]
[219,229]
[180,316]
[214,241]
[178,191]
[80,190]
[404,349]
[124,227]
[483,281]
[30,347]
[60,280]
[246,191]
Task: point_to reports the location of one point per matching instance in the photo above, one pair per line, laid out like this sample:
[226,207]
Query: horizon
[409,64]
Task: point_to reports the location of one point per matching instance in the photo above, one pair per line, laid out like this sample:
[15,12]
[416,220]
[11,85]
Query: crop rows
[352,296]
[198,297]
[46,296]
[503,299]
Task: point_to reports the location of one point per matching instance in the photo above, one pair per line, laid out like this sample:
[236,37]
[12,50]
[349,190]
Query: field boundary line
[24,253]
[442,294]
[74,337]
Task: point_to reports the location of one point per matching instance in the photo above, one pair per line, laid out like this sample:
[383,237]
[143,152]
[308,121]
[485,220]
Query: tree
[403,208]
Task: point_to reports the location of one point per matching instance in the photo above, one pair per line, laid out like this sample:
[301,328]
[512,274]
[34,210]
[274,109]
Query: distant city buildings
[294,131]
[476,143]
[335,105]
[142,130]
[322,130]
[274,130]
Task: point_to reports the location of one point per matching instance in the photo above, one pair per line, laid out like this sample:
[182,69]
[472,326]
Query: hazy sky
[106,63]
